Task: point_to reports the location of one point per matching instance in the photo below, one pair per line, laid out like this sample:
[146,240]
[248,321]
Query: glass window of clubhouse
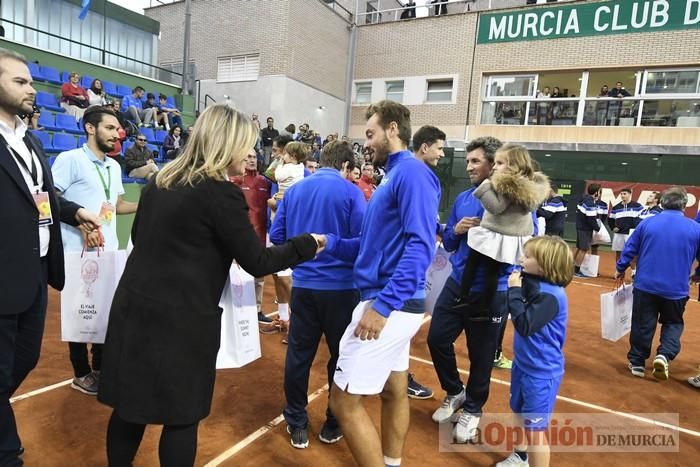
[614,97]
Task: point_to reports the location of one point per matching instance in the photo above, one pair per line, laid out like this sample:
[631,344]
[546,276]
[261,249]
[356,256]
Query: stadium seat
[109,88]
[52,159]
[86,81]
[160,136]
[63,142]
[65,76]
[123,90]
[149,134]
[126,145]
[50,74]
[67,123]
[48,101]
[35,71]
[48,121]
[44,139]
[170,103]
[82,140]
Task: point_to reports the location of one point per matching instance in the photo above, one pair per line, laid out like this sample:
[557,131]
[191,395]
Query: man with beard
[391,256]
[30,243]
[86,176]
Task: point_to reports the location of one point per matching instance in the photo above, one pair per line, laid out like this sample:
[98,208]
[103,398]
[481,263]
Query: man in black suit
[31,251]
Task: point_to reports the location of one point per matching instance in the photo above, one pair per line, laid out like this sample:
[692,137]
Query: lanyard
[34,173]
[106,187]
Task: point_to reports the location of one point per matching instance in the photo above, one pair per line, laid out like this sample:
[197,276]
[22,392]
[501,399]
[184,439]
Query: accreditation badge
[43,206]
[107,212]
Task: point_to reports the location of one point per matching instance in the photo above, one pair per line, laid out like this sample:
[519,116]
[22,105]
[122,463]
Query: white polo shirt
[14,138]
[75,174]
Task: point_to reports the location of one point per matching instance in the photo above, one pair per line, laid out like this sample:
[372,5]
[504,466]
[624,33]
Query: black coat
[20,265]
[160,352]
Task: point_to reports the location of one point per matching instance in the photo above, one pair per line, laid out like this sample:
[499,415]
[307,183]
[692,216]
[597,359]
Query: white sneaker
[694,381]
[513,460]
[660,368]
[449,405]
[465,429]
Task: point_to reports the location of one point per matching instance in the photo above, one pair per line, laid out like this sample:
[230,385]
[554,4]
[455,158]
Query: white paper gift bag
[590,264]
[436,276]
[91,279]
[616,313]
[240,341]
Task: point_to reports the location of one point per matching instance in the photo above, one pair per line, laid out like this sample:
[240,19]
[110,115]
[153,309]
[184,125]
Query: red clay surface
[62,427]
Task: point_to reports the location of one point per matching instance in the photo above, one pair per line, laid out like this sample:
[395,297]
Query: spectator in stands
[357,148]
[311,165]
[290,130]
[602,107]
[288,170]
[173,143]
[174,117]
[354,175]
[74,99]
[132,107]
[316,152]
[317,139]
[116,153]
[615,107]
[366,181]
[186,136]
[440,7]
[305,134]
[139,160]
[85,175]
[268,134]
[330,137]
[152,104]
[409,11]
[96,95]
[543,115]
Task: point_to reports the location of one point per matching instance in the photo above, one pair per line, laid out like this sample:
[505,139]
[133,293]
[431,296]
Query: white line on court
[36,392]
[233,450]
[590,406]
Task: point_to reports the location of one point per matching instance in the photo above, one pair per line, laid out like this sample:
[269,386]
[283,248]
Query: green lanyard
[106,187]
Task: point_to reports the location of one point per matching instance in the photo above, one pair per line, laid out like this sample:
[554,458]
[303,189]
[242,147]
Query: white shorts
[619,240]
[365,366]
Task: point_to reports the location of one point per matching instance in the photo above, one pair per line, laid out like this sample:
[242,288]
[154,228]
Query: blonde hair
[298,150]
[221,136]
[554,257]
[518,159]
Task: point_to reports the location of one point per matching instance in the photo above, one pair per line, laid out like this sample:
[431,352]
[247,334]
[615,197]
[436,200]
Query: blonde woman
[164,327]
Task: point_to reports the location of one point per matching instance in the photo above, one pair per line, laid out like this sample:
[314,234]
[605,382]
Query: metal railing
[440,8]
[154,71]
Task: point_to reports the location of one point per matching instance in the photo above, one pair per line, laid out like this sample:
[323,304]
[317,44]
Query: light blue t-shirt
[75,176]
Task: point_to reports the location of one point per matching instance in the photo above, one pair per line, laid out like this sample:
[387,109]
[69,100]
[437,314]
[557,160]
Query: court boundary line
[588,405]
[36,392]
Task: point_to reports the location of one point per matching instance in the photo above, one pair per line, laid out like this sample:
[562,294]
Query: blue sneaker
[582,275]
[417,390]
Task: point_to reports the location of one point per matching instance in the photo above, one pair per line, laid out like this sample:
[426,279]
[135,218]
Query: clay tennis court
[62,427]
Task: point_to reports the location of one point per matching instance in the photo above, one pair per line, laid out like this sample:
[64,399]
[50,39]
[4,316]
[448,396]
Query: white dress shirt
[14,138]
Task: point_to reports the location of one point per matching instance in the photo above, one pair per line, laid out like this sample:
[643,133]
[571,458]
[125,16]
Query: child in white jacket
[288,170]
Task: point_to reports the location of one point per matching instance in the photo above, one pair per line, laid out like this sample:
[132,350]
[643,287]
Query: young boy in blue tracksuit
[539,310]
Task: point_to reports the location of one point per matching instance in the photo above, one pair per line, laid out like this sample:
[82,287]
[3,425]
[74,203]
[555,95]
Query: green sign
[589,19]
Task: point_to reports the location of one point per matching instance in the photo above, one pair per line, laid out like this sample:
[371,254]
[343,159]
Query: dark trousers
[482,340]
[79,358]
[647,309]
[177,447]
[316,313]
[20,345]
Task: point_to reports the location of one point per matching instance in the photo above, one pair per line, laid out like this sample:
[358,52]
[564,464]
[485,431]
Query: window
[501,86]
[239,68]
[394,91]
[363,93]
[672,82]
[439,90]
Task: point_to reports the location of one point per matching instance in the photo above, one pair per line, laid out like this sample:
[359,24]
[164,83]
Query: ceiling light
[623,163]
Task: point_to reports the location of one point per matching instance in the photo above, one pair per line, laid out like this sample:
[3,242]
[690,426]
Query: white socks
[283,310]
[392,462]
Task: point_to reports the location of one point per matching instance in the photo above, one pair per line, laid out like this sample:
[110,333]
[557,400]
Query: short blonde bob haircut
[554,257]
[221,136]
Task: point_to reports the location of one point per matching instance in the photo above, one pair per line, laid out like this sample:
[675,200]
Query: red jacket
[366,184]
[256,190]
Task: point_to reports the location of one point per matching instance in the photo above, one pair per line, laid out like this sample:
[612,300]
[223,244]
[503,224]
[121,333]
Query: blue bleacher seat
[82,140]
[48,121]
[67,123]
[86,81]
[126,145]
[123,90]
[44,139]
[63,142]
[48,101]
[170,103]
[35,71]
[149,134]
[50,74]
[65,76]
[160,136]
[52,159]
[109,88]
[152,148]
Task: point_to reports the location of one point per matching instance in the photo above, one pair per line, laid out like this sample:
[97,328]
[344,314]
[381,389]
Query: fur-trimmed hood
[529,194]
